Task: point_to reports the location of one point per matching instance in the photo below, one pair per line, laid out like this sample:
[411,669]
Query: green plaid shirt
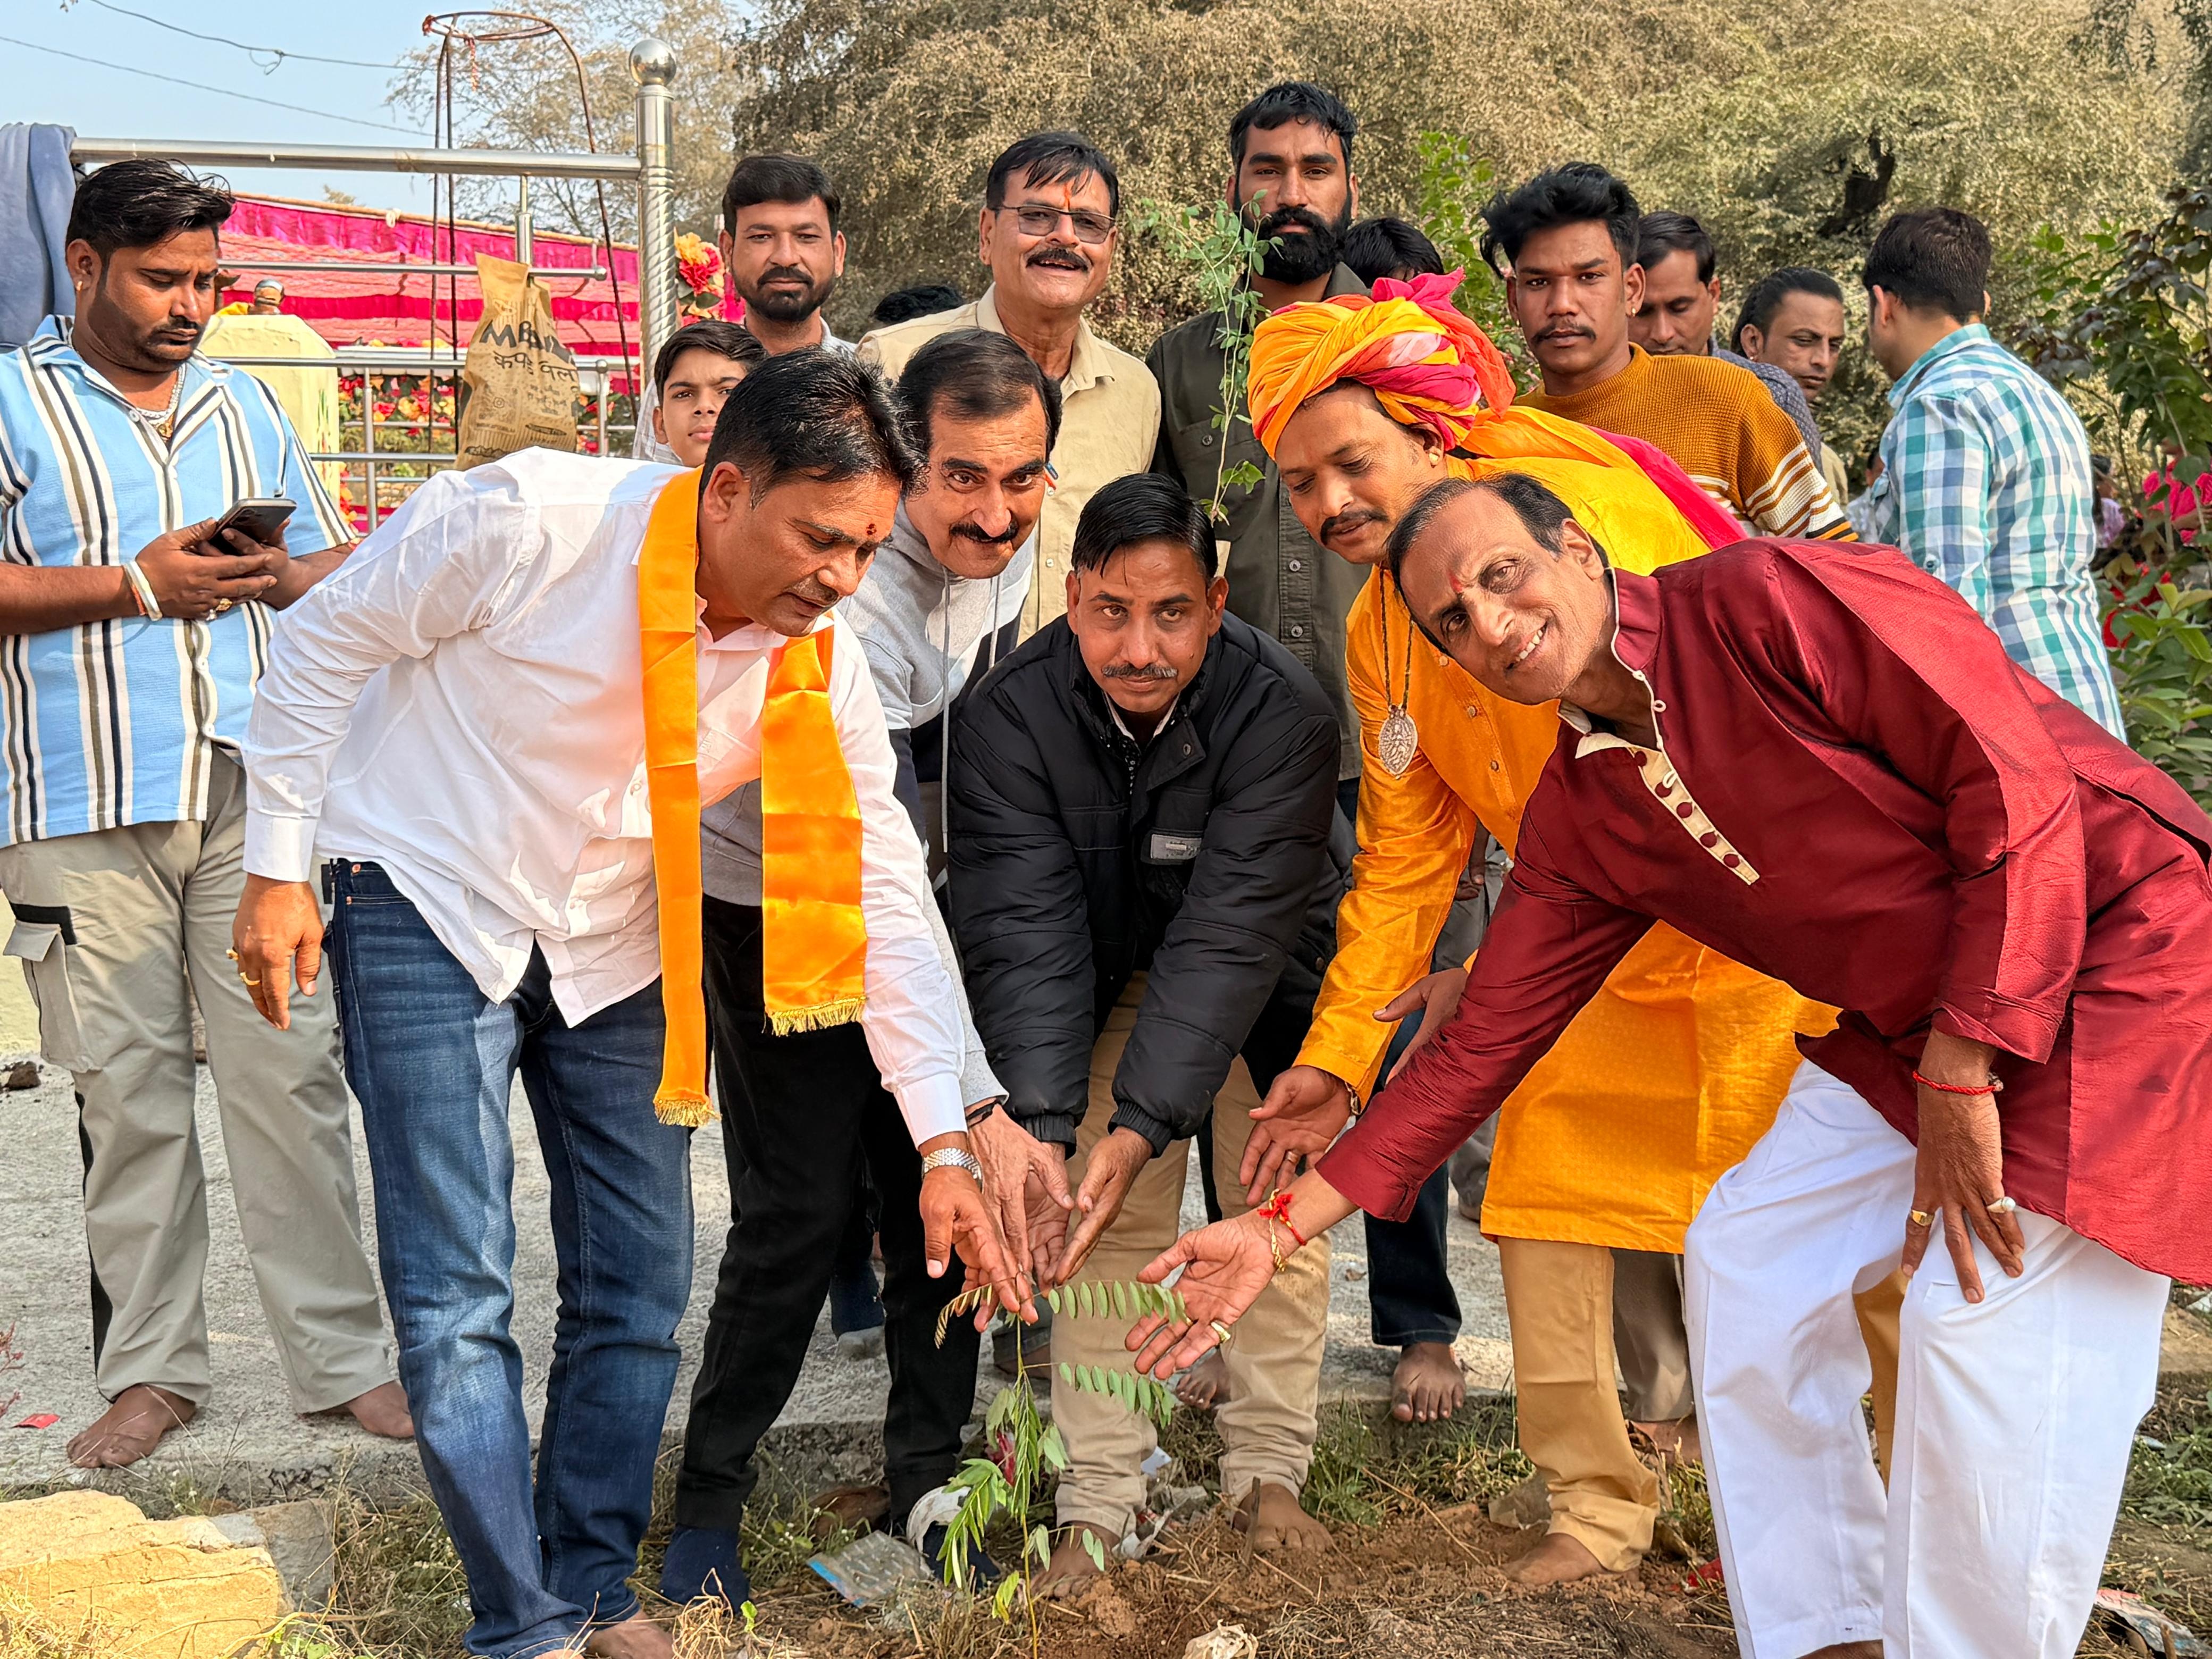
[1986,481]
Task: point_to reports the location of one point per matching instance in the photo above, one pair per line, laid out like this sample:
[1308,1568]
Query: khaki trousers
[148,907]
[1274,1365]
[1562,1302]
[1559,1302]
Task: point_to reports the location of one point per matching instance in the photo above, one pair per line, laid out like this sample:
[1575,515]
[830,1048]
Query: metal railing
[653,66]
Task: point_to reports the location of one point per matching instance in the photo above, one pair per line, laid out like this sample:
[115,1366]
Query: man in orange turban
[1678,1065]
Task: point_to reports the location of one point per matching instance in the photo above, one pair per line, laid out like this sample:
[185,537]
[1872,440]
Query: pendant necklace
[1399,739]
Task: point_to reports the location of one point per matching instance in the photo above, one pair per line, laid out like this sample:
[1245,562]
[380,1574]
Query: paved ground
[246,1442]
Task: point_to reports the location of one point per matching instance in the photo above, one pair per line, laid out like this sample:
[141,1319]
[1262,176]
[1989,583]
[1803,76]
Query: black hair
[708,334]
[1293,101]
[1541,513]
[138,202]
[1932,258]
[1765,298]
[903,304]
[1580,192]
[824,414]
[1142,506]
[974,373]
[792,179]
[1052,158]
[1658,234]
[1376,248]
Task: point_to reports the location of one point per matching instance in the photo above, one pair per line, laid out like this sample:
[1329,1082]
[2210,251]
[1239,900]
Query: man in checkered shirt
[1985,477]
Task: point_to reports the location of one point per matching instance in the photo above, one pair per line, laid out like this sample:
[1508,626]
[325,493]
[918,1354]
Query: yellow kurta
[1677,1065]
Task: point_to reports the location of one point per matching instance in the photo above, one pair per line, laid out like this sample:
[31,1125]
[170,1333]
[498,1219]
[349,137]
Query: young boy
[692,375]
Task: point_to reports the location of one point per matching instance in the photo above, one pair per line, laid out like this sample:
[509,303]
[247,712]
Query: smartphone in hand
[261,517]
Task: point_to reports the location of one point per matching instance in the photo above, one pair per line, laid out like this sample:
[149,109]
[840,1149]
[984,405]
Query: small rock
[1224,1642]
[23,1074]
[1528,1505]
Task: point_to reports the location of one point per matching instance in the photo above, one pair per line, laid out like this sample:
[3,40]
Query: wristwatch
[951,1157]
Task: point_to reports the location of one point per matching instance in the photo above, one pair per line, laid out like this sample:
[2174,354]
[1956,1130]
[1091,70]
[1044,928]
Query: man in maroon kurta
[1820,762]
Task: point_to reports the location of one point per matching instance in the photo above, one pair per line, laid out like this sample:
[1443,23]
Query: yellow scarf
[813,940]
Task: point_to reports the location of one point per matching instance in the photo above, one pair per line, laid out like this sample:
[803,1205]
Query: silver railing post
[653,64]
[526,233]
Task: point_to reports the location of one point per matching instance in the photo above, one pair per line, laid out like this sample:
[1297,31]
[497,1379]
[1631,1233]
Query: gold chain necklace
[1399,739]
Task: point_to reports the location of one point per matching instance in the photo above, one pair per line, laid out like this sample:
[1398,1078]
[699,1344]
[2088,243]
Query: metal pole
[526,239]
[358,158]
[652,65]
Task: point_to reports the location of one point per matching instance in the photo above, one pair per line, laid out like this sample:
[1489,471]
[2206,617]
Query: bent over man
[499,726]
[1141,804]
[1821,761]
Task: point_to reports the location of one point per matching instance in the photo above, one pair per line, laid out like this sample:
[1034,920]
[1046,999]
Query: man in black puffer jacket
[1143,888]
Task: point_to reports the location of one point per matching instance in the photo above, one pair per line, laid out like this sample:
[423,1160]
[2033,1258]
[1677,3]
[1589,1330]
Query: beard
[785,304]
[1301,258]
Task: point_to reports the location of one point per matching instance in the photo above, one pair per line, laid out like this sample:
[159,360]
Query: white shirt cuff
[281,849]
[933,1106]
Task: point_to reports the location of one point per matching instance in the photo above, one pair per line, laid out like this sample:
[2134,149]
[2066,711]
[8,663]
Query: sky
[103,99]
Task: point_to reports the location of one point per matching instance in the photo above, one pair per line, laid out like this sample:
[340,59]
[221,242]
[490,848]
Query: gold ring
[232,954]
[1221,1333]
[252,984]
[1920,1217]
[221,605]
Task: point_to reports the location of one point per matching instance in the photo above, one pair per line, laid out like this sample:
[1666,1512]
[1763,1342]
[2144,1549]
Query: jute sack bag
[519,380]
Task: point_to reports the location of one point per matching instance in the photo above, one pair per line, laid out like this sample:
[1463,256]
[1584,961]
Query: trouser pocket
[43,940]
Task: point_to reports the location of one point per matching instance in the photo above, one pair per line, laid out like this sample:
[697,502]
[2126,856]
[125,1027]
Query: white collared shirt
[461,703]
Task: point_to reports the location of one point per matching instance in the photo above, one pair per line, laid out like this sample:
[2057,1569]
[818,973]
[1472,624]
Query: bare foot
[131,1427]
[1205,1384]
[1271,1519]
[1678,1441]
[1559,1558]
[1428,1384]
[1072,1571]
[636,1638]
[858,1508]
[382,1411]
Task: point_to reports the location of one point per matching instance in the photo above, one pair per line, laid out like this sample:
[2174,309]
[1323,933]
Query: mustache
[1331,528]
[1565,331]
[1060,257]
[976,533]
[1130,670]
[814,593]
[786,273]
[1295,216]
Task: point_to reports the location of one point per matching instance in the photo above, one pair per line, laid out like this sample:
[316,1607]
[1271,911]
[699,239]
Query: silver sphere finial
[653,62]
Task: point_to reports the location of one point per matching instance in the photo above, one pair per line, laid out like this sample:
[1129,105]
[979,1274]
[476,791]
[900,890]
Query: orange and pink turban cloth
[1430,367]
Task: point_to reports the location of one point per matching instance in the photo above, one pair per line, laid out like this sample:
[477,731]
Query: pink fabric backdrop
[394,308]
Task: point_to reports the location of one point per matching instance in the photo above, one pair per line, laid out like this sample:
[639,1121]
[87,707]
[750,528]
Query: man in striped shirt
[130,638]
[1985,479]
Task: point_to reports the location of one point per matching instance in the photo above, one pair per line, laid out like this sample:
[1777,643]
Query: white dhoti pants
[2014,1414]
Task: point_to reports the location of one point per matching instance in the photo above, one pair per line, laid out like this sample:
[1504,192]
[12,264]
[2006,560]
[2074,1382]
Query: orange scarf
[813,939]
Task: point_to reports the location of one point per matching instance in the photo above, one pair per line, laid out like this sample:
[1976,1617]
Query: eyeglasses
[1091,228]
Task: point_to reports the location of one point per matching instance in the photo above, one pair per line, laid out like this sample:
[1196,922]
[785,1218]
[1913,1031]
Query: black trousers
[799,1115]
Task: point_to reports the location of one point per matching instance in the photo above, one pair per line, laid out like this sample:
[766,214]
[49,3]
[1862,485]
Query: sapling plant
[1021,1448]
[1225,253]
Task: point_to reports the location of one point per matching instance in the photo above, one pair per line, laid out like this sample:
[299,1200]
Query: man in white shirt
[459,726]
[802,1111]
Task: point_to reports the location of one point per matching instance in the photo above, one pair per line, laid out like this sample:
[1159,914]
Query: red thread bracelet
[1990,1088]
[1278,1208]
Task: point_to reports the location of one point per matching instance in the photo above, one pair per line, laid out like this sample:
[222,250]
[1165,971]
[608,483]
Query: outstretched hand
[1026,1181]
[1224,1268]
[1435,998]
[954,1215]
[1305,1109]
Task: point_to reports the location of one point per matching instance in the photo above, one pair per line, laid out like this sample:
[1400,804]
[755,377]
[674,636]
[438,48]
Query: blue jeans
[434,1062]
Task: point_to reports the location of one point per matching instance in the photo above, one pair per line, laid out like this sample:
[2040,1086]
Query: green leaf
[1121,1300]
[1051,1448]
[1067,1372]
[1083,1298]
[1051,1298]
[1092,1547]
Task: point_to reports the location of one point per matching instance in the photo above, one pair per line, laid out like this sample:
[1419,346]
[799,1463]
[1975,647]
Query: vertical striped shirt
[117,722]
[1985,482]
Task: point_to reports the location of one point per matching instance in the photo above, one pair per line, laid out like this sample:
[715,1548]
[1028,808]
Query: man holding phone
[149,526]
